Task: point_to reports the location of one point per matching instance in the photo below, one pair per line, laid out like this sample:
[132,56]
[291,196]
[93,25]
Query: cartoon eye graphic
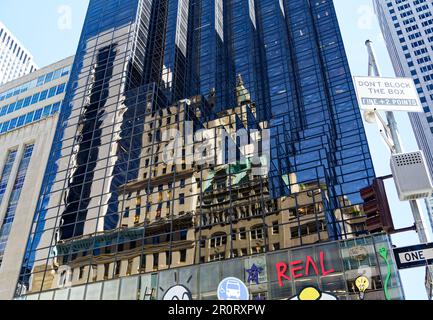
[312,293]
[186,296]
[178,293]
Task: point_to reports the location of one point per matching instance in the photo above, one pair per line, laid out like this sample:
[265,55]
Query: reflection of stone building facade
[181,213]
[111,207]
[234,220]
[260,224]
[159,212]
[156,211]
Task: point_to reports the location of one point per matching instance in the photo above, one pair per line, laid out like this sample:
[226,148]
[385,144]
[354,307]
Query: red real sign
[299,268]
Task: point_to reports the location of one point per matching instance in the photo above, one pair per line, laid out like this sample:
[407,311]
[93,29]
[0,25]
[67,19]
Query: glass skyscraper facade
[149,175]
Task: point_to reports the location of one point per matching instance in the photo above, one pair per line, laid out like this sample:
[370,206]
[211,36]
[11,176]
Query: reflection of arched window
[218,239]
[65,276]
[257,232]
[221,183]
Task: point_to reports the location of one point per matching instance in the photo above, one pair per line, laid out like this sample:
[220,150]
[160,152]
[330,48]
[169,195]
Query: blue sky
[50,29]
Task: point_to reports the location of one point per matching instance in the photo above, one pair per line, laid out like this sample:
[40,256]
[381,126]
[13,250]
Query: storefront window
[272,260]
[279,293]
[148,287]
[93,291]
[111,290]
[129,288]
[47,295]
[61,294]
[259,263]
[256,277]
[306,282]
[234,268]
[331,256]
[387,268]
[188,277]
[209,279]
[167,279]
[300,254]
[334,284]
[77,293]
[32,297]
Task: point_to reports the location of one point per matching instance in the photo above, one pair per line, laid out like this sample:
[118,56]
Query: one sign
[387,94]
[414,256]
[232,289]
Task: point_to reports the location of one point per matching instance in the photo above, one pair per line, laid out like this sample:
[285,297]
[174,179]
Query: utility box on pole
[411,176]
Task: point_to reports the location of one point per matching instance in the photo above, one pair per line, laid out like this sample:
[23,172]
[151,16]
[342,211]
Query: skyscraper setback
[121,197]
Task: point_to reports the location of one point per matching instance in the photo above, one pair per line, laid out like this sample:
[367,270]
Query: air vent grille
[408,159]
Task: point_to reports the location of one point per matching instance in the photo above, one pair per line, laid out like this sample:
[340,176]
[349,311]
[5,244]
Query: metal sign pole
[374,71]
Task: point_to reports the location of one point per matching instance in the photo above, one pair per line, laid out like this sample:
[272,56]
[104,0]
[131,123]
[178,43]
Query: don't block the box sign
[387,94]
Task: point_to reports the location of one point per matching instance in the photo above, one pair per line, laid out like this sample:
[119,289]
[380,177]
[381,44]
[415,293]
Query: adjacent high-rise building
[15,60]
[28,118]
[196,132]
[407,27]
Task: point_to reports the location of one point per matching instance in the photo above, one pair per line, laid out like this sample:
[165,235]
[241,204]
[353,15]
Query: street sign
[414,256]
[232,289]
[387,94]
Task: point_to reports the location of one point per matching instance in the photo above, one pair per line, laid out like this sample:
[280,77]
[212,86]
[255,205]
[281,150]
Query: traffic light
[376,208]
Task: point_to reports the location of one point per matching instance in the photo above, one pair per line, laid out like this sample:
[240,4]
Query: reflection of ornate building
[160,210]
[156,210]
[111,205]
[180,213]
[257,223]
[187,206]
[234,221]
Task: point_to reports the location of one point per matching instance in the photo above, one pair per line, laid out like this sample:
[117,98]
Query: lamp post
[391,136]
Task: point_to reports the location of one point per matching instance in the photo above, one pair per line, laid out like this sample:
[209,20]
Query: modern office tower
[15,60]
[29,110]
[407,27]
[200,140]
